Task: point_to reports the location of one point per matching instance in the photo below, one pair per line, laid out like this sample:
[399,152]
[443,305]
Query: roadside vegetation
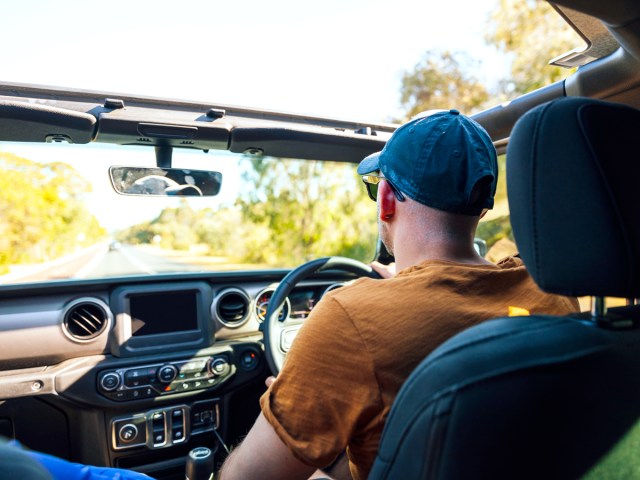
[42,216]
[290,212]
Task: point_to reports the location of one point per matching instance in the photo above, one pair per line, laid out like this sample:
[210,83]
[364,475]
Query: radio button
[167,373]
[110,381]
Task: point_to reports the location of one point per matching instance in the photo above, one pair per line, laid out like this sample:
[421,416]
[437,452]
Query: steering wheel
[279,333]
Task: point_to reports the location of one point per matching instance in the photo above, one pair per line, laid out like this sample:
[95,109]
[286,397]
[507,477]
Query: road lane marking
[91,264]
[23,271]
[137,262]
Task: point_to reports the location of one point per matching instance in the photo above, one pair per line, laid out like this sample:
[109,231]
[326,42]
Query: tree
[531,33]
[299,210]
[176,227]
[440,81]
[41,211]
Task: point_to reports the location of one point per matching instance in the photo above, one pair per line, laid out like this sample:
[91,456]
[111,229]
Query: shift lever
[199,464]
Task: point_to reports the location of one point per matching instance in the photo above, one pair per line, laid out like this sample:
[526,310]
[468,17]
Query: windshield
[367,61]
[62,218]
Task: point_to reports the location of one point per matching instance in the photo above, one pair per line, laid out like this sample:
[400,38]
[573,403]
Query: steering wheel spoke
[287,335]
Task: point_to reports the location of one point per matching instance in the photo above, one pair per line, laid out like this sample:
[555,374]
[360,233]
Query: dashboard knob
[110,381]
[219,366]
[167,373]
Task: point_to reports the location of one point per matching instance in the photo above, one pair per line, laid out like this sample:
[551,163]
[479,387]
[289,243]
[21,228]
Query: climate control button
[219,367]
[167,373]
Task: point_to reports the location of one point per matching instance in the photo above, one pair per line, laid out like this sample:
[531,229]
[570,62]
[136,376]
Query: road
[100,261]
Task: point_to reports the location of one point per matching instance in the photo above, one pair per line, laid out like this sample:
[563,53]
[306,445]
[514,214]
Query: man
[434,179]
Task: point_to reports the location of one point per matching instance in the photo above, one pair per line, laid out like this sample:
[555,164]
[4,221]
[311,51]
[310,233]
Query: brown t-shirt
[361,342]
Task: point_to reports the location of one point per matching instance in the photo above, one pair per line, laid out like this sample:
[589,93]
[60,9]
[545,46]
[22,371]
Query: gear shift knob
[199,464]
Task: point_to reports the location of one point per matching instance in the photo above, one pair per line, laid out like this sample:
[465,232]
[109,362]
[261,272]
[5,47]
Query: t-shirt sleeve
[326,390]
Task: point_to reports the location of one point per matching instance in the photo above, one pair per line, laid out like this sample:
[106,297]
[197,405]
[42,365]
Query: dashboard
[135,372]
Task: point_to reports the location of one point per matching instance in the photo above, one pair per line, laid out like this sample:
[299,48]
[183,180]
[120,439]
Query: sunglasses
[372,181]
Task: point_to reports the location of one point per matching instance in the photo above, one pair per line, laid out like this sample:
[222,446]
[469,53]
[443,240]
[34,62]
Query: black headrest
[573,179]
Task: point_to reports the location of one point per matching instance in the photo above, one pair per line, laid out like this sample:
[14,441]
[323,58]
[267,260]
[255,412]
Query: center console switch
[148,381]
[164,427]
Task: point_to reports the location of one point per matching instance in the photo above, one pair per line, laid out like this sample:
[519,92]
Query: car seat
[544,396]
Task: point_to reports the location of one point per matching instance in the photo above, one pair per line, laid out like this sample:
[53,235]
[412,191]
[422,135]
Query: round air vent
[85,319]
[232,307]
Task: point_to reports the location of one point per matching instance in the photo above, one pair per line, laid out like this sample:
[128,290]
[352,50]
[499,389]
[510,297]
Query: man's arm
[263,455]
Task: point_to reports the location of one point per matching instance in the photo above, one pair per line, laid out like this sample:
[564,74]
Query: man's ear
[386,202]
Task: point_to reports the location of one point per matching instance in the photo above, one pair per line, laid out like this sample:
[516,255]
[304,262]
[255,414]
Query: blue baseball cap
[438,160]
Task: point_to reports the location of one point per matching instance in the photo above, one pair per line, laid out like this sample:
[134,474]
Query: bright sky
[335,58]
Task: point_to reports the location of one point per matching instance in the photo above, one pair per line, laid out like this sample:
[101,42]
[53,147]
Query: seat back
[541,396]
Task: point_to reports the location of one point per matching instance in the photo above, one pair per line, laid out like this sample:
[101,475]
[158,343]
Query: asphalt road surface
[103,262]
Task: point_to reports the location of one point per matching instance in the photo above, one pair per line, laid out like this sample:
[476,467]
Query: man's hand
[269,381]
[385,271]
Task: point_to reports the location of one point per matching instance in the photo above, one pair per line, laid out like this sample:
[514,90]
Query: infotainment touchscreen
[166,312]
[161,317]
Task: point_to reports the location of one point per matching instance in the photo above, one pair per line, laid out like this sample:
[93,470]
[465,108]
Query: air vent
[85,319]
[232,307]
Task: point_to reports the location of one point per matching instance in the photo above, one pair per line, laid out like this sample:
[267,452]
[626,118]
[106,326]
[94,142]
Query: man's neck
[413,253]
[422,233]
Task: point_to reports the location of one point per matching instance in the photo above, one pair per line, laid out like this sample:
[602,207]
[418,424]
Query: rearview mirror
[165,181]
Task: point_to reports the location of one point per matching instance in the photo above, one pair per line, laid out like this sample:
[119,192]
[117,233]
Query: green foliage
[528,32]
[500,198]
[499,227]
[440,81]
[42,216]
[290,211]
[532,33]
[299,210]
[173,229]
[493,230]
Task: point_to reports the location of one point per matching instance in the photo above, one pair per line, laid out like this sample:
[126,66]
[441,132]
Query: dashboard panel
[134,372]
